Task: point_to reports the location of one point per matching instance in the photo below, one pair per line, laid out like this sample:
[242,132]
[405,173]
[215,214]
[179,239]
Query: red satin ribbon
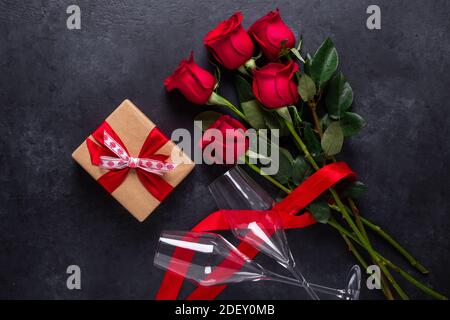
[298,199]
[111,180]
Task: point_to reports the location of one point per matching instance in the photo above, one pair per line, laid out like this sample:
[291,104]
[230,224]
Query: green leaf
[301,170]
[306,88]
[285,167]
[207,118]
[254,114]
[351,123]
[339,96]
[354,190]
[333,139]
[244,89]
[311,140]
[324,63]
[249,105]
[325,121]
[320,211]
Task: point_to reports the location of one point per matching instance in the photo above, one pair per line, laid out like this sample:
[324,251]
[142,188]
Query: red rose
[229,43]
[194,82]
[233,142]
[274,86]
[270,31]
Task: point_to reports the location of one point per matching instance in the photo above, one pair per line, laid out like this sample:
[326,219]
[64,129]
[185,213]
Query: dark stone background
[57,85]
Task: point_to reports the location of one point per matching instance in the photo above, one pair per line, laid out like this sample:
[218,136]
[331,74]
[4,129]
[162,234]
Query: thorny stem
[357,216]
[386,290]
[385,287]
[346,215]
[312,106]
[367,245]
[391,265]
[391,241]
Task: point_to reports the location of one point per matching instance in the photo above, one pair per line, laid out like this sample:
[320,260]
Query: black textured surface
[57,85]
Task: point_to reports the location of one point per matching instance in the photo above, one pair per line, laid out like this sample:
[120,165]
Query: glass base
[353,283]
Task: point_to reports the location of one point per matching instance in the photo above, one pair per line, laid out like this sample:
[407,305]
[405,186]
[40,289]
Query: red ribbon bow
[287,209]
[109,152]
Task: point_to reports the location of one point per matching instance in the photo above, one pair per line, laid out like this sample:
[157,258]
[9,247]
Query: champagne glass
[209,259]
[263,229]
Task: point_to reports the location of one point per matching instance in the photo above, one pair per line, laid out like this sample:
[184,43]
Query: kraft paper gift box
[133,128]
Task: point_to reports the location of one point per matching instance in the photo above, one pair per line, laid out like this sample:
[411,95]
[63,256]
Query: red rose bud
[229,43]
[232,144]
[269,32]
[194,82]
[274,85]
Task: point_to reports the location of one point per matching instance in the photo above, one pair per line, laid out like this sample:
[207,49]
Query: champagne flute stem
[298,275]
[340,293]
[316,287]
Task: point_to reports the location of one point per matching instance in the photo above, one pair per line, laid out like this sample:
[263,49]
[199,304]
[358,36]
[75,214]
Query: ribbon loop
[125,160]
[149,168]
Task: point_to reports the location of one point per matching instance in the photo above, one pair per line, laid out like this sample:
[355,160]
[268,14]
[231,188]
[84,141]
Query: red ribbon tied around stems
[109,152]
[287,209]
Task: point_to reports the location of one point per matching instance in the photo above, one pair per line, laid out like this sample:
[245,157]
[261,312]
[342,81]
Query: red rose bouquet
[280,90]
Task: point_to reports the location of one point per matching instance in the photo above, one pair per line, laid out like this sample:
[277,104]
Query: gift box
[133,160]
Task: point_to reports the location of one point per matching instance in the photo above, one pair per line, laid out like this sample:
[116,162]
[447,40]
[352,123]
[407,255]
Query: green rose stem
[347,235]
[391,241]
[355,252]
[355,211]
[394,267]
[385,287]
[347,216]
[312,106]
